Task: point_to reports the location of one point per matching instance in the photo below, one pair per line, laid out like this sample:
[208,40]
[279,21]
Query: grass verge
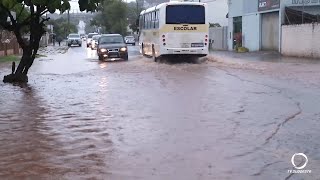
[40,55]
[9,58]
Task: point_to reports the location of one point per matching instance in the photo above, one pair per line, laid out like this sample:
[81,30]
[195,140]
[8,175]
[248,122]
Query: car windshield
[130,37]
[111,40]
[74,36]
[91,35]
[95,37]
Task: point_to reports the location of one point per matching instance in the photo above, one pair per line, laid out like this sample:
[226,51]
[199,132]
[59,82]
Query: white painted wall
[235,8]
[250,6]
[301,40]
[251,31]
[217,11]
[230,34]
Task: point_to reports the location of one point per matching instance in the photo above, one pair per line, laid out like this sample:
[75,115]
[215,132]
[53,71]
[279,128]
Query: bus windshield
[185,14]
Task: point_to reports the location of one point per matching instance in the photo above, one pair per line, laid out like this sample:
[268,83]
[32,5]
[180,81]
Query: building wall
[301,40]
[251,32]
[286,3]
[217,11]
[235,8]
[230,34]
[250,6]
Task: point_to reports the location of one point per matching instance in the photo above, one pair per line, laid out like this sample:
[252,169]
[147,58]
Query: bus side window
[151,20]
[157,19]
[154,19]
[145,21]
[148,21]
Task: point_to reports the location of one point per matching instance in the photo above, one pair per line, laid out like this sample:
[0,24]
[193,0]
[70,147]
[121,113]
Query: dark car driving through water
[112,47]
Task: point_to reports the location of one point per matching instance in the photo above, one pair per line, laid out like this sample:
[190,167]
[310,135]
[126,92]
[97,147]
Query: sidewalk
[260,56]
[303,70]
[50,49]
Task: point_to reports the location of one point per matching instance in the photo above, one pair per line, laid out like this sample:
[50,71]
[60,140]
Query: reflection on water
[92,54]
[103,65]
[49,132]
[103,84]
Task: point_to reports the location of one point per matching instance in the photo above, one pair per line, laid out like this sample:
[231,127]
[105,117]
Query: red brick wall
[10,48]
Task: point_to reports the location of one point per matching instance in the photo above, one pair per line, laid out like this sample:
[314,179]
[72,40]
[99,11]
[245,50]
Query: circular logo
[302,166]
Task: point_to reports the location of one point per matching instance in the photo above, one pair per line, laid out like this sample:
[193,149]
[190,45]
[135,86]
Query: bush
[242,49]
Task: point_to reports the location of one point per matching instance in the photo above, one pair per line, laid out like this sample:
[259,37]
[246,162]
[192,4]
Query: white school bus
[174,28]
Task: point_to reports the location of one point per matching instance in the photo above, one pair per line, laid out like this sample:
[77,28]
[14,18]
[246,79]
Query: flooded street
[79,118]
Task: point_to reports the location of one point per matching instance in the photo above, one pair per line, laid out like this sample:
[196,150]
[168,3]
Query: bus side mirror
[137,22]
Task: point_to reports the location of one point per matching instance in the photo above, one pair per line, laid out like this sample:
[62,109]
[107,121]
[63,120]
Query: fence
[8,44]
[301,40]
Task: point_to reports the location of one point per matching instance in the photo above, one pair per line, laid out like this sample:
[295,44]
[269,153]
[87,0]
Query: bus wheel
[142,50]
[155,59]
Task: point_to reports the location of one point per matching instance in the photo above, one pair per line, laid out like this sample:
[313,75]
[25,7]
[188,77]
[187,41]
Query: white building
[217,10]
[260,21]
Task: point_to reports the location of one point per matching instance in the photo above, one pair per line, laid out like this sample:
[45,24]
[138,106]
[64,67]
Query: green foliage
[134,10]
[242,49]
[9,58]
[113,17]
[30,19]
[62,29]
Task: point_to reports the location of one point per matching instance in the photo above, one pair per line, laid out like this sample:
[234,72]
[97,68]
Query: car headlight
[123,49]
[103,50]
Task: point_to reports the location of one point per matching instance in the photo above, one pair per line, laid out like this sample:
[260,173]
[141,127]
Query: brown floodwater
[78,118]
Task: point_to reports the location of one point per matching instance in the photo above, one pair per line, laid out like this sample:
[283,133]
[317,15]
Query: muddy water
[82,119]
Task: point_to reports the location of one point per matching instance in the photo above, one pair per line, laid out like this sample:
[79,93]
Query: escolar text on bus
[185,28]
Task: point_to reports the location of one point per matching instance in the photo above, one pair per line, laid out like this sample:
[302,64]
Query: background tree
[134,10]
[34,23]
[61,27]
[112,17]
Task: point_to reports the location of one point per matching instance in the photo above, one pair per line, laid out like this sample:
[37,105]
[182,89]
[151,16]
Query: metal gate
[270,31]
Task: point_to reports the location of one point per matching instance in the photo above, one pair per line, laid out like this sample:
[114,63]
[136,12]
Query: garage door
[270,31]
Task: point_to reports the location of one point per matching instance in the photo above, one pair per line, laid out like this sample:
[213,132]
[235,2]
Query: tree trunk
[29,54]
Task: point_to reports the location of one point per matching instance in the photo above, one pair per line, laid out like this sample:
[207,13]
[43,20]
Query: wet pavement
[79,118]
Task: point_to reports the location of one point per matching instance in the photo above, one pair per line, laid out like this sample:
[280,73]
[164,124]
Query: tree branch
[44,20]
[9,14]
[44,12]
[22,9]
[6,26]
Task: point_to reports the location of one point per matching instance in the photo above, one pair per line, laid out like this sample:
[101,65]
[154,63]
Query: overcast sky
[218,10]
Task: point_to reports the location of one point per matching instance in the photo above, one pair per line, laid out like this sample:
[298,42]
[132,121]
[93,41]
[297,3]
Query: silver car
[94,41]
[130,40]
[74,39]
[89,39]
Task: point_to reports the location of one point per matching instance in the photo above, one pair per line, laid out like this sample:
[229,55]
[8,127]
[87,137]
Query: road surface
[79,118]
